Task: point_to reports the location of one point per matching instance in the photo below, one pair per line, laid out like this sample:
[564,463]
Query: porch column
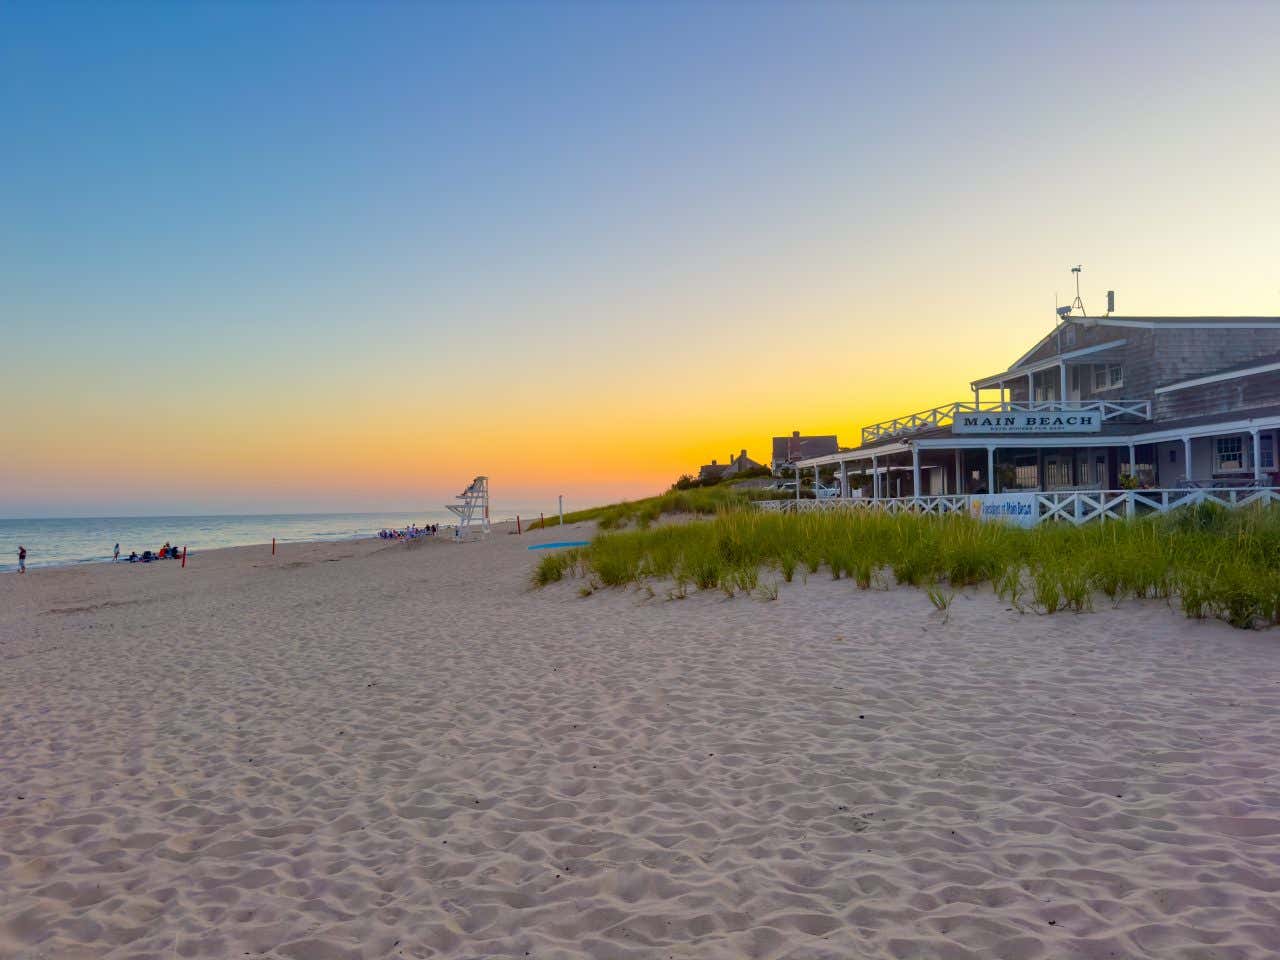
[959,472]
[1133,472]
[1186,456]
[875,478]
[991,469]
[915,471]
[797,483]
[975,395]
[1062,378]
[844,479]
[816,481]
[1031,387]
[1257,456]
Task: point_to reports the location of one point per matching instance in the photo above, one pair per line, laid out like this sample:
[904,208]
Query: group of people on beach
[411,532]
[170,552]
[167,552]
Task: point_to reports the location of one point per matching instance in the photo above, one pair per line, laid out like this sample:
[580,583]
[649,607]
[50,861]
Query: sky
[291,256]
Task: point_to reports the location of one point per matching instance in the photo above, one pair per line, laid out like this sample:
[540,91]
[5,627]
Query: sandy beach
[359,750]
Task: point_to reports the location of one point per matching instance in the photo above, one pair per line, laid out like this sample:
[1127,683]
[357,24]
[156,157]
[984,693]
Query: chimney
[795,434]
[713,463]
[743,454]
[731,459]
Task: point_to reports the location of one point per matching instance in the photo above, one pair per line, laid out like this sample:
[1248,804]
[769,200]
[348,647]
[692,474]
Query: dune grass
[1210,561]
[701,501]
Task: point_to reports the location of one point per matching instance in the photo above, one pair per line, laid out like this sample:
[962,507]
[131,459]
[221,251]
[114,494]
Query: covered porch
[938,463]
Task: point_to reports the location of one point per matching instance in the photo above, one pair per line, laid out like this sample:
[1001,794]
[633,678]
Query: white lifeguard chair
[473,511]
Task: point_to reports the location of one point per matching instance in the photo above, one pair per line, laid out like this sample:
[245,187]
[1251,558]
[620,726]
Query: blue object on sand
[561,543]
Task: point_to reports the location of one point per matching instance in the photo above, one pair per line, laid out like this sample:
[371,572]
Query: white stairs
[473,511]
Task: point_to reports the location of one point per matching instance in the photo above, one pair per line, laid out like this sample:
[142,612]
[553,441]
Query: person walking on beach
[22,559]
[115,554]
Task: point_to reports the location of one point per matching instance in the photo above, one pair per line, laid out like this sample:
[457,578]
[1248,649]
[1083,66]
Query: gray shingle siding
[1190,352]
[1166,355]
[1227,396]
[1085,336]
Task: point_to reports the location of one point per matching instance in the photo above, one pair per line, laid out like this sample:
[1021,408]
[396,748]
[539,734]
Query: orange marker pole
[273,546]
[184,557]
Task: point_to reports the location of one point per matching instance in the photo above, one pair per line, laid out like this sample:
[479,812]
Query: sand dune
[354,751]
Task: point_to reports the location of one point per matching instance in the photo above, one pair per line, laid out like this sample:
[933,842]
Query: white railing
[1082,506]
[951,503]
[1073,506]
[946,414]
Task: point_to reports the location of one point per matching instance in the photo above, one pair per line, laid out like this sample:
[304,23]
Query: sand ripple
[345,760]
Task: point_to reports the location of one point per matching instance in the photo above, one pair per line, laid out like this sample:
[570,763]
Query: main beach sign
[1039,421]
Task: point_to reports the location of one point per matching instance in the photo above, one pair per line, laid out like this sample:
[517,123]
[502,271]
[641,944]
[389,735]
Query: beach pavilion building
[1105,416]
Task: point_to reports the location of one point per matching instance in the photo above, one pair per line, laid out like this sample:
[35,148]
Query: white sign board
[1016,508]
[1040,421]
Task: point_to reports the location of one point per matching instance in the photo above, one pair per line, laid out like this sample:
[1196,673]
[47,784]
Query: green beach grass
[703,501]
[1209,561]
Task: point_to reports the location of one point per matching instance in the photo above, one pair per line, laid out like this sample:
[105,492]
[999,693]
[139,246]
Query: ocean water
[90,539]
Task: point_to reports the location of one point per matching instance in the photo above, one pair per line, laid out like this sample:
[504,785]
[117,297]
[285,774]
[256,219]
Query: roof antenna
[1077,302]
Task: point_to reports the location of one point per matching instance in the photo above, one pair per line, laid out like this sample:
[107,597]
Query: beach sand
[361,750]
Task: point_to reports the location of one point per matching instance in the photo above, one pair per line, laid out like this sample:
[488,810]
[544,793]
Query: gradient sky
[293,256]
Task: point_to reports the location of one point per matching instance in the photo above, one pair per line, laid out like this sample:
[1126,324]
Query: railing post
[1129,505]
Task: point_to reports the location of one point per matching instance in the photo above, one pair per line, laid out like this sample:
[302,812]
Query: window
[1107,376]
[1268,458]
[1070,335]
[1228,455]
[1057,472]
[1026,473]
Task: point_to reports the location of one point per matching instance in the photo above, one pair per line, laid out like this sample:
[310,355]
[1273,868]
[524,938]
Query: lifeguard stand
[473,511]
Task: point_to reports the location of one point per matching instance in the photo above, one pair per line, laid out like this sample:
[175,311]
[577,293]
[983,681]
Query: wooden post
[991,469]
[915,472]
[1186,455]
[273,546]
[518,530]
[184,557]
[1257,456]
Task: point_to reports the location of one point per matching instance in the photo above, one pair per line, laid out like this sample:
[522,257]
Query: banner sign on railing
[1018,509]
[1044,421]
